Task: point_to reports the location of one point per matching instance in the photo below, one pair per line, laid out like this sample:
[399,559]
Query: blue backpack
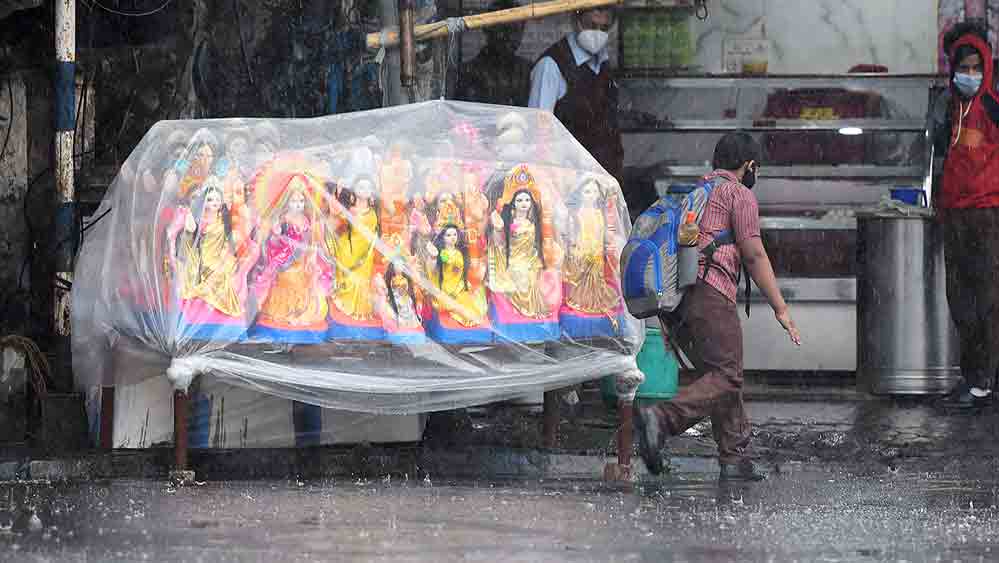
[649,270]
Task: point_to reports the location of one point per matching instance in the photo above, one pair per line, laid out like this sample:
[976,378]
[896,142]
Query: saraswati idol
[524,281]
[399,297]
[296,273]
[592,305]
[142,283]
[355,231]
[458,305]
[210,274]
[398,306]
[455,306]
[180,185]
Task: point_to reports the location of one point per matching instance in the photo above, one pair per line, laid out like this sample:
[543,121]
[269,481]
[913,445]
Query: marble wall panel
[821,36]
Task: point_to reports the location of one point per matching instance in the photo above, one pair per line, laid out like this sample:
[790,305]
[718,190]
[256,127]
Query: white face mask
[592,40]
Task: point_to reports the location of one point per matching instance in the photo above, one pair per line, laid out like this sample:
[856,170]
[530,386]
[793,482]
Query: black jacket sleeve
[940,124]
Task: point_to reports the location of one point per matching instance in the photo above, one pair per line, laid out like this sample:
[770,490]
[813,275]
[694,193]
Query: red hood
[984,50]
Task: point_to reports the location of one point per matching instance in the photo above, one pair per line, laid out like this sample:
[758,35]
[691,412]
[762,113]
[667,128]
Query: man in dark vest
[572,79]
[497,75]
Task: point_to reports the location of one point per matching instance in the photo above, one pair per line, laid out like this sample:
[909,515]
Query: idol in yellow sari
[399,309]
[209,268]
[447,269]
[197,165]
[211,277]
[590,271]
[516,260]
[182,183]
[352,302]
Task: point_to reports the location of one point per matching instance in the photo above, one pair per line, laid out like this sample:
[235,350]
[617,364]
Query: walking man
[706,325]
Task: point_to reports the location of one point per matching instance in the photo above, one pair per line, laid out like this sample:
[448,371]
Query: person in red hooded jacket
[968,202]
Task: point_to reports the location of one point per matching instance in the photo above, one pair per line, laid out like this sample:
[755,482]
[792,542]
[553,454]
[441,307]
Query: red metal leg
[551,419]
[107,418]
[180,429]
[625,432]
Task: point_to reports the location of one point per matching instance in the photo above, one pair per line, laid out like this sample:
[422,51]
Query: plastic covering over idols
[396,261]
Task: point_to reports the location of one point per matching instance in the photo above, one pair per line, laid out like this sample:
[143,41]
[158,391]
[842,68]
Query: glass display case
[862,129]
[832,144]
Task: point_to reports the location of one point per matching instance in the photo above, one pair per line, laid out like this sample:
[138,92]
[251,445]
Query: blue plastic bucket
[911,196]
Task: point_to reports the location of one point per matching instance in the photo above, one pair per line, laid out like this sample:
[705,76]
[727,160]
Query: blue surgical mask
[967,84]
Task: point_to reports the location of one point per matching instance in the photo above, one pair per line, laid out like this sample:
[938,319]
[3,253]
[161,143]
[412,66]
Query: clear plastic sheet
[394,262]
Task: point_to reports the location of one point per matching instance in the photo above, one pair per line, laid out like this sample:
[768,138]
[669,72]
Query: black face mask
[749,178]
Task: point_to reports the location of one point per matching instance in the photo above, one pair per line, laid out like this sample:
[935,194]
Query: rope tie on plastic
[455,27]
[182,371]
[382,39]
[35,360]
[627,384]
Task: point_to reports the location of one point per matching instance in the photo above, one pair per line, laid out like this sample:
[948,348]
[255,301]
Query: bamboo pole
[489,19]
[407,47]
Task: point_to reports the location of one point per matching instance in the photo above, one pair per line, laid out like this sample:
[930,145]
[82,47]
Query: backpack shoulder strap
[725,238]
[749,288]
[709,184]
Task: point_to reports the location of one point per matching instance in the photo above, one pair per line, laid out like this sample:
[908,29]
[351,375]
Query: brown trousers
[971,251]
[706,328]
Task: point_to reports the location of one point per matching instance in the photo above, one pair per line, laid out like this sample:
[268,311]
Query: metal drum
[907,343]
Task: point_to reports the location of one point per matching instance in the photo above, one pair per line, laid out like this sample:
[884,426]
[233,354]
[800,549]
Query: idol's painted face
[522,202]
[238,147]
[204,155]
[451,237]
[296,204]
[176,152]
[237,194]
[363,190]
[590,192]
[213,201]
[400,286]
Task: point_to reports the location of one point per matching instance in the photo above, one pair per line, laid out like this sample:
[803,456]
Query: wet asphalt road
[804,513]
[862,480]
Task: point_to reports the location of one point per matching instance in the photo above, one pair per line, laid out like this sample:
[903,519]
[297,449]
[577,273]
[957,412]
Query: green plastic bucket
[659,366]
